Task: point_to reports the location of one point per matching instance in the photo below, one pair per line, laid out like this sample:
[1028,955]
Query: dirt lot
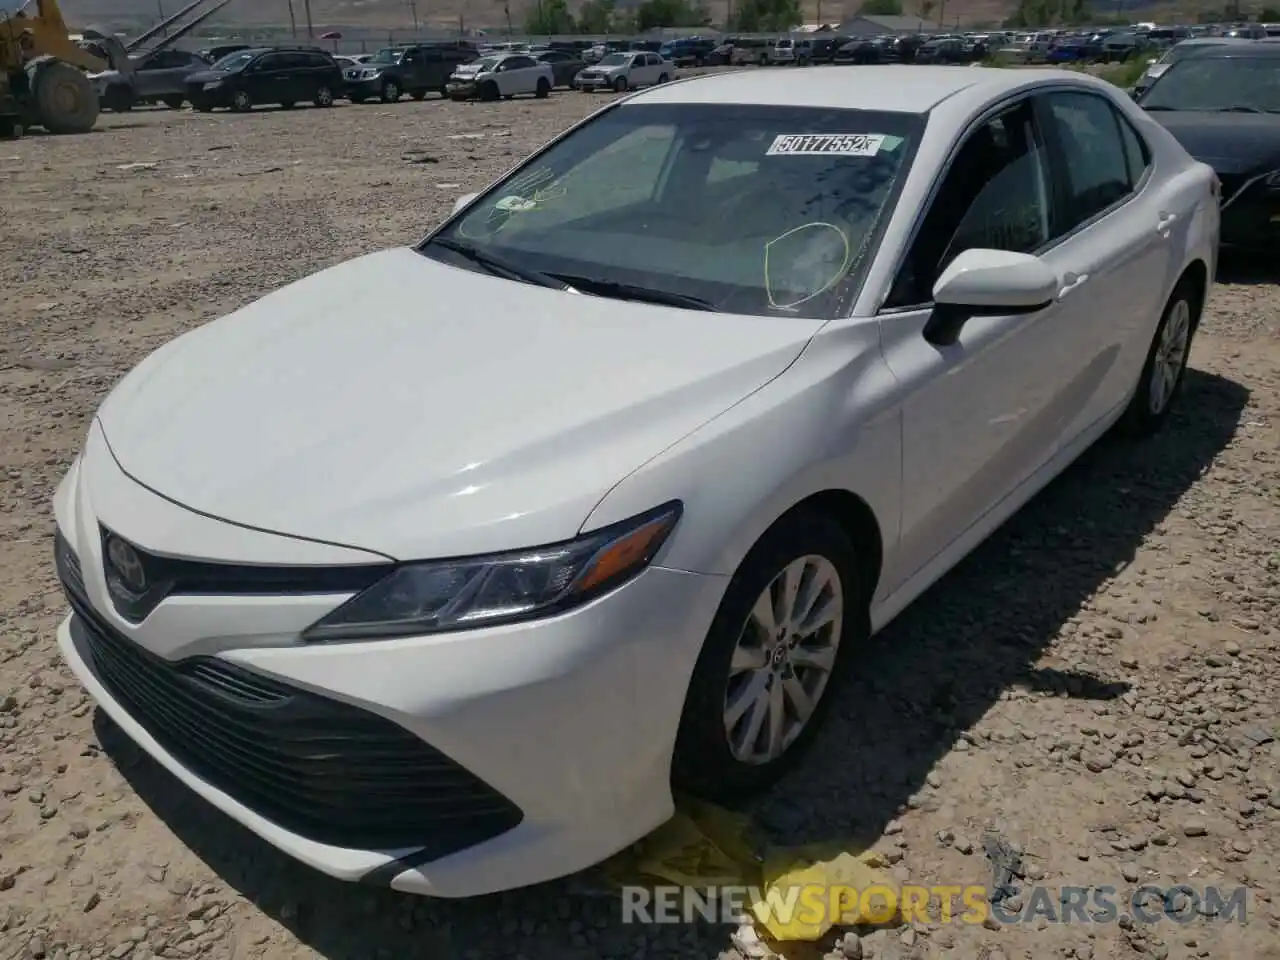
[1097,685]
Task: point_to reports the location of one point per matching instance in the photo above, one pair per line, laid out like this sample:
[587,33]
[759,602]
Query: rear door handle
[1070,282]
[1166,221]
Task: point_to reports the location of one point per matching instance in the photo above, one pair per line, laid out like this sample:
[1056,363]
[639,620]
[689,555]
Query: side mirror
[982,282]
[464,201]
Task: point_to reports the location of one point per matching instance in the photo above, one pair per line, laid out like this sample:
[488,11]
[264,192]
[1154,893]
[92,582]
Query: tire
[204,106]
[1166,363]
[173,103]
[543,91]
[356,99]
[620,85]
[489,92]
[705,763]
[287,104]
[417,94]
[764,60]
[63,98]
[118,98]
[390,92]
[241,102]
[663,78]
[324,96]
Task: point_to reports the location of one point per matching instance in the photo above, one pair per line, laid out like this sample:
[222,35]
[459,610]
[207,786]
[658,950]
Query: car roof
[881,87]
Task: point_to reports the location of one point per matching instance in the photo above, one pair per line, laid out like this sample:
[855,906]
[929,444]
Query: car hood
[397,404]
[1231,143]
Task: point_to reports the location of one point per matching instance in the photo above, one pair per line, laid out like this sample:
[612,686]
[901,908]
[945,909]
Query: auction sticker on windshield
[826,144]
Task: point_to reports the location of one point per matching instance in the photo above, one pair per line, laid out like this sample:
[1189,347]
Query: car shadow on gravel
[1244,268]
[925,681]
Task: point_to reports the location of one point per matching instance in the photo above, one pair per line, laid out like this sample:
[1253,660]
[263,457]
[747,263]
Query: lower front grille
[322,769]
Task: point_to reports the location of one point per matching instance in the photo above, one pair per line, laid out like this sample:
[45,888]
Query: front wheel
[489,92]
[544,89]
[323,97]
[418,94]
[620,85]
[782,635]
[241,102]
[663,79]
[1162,374]
[390,92]
[118,98]
[173,103]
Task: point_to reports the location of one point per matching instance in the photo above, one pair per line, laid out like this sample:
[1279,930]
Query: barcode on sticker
[822,144]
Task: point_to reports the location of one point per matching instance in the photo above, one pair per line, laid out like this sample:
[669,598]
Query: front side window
[995,196]
[748,209]
[1218,84]
[1093,154]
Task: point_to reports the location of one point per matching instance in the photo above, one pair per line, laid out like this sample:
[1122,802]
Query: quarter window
[1094,157]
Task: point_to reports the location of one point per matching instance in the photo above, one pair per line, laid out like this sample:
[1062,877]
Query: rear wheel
[323,97]
[663,78]
[118,98]
[543,90]
[64,98]
[784,632]
[241,102]
[417,94]
[286,104]
[173,103]
[1162,374]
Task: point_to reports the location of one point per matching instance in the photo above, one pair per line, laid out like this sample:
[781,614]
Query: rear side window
[1093,154]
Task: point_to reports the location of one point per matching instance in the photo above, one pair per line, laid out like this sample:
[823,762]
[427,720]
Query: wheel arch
[1196,275]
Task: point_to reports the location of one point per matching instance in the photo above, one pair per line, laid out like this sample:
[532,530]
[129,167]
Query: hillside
[399,14]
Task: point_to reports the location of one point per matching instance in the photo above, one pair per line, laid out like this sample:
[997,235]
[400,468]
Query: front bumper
[598,82]
[543,747]
[363,89]
[1250,215]
[219,96]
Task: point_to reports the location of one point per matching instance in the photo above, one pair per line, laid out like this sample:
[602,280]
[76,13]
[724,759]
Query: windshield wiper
[1156,106]
[1239,109]
[628,291]
[500,265]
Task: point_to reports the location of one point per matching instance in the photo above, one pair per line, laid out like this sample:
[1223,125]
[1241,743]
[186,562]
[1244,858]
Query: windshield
[386,56]
[1176,53]
[614,60]
[1218,83]
[749,209]
[483,64]
[234,61]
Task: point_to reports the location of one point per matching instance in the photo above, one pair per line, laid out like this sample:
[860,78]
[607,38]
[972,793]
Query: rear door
[1117,252]
[270,79]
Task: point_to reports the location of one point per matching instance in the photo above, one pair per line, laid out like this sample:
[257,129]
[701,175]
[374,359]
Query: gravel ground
[1096,686]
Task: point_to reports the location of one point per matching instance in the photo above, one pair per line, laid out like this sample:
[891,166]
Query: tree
[881,8]
[549,17]
[767,16]
[668,13]
[1269,15]
[596,16]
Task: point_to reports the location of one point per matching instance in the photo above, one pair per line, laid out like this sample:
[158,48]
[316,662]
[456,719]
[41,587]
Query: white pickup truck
[501,75]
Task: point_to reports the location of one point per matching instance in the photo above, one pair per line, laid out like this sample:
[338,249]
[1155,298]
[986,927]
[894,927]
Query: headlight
[369,74]
[436,596]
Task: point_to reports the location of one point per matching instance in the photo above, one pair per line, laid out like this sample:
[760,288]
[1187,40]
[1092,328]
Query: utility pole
[306,5]
[160,10]
[413,8]
[293,23]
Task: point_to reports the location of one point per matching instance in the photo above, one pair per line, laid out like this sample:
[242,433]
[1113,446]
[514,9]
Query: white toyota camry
[622,461]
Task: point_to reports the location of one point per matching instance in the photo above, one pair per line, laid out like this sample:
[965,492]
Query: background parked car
[820,49]
[858,51]
[415,70]
[565,66]
[502,76]
[267,75]
[692,51]
[749,50]
[626,71]
[783,50]
[159,77]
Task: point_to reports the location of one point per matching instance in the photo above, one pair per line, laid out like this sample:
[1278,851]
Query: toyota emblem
[127,566]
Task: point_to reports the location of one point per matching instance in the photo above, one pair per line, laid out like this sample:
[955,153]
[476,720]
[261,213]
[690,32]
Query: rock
[1131,872]
[1194,828]
[850,946]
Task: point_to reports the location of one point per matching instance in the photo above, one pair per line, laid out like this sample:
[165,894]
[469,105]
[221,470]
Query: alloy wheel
[1170,357]
[785,655]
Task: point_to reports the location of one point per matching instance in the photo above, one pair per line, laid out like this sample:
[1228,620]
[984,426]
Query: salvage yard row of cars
[248,76]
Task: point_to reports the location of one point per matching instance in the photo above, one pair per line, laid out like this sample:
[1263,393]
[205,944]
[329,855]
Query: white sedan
[623,461]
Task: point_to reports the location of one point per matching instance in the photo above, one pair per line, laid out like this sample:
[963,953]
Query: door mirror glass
[463,201]
[996,281]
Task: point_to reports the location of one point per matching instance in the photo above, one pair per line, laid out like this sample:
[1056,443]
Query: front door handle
[1166,221]
[1070,282]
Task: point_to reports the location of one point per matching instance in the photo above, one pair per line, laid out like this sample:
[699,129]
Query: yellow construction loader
[43,69]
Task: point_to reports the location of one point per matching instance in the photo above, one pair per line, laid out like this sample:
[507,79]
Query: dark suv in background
[416,70]
[283,75]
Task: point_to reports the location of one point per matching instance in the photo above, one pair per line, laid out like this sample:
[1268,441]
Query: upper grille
[170,576]
[319,768]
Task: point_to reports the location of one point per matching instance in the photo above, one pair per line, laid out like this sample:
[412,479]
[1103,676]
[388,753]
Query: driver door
[976,412]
